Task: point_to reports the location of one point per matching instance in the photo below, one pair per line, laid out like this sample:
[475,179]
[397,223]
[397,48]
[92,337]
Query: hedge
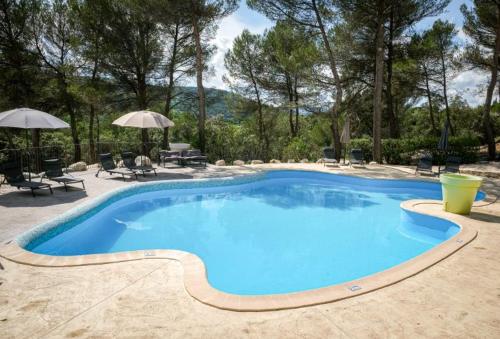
[402,151]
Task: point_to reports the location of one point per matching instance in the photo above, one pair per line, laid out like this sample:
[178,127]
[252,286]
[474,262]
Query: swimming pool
[274,233]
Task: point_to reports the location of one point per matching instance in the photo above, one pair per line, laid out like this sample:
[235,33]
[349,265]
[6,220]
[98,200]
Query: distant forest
[291,89]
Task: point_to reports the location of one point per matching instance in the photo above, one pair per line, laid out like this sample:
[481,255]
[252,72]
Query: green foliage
[402,151]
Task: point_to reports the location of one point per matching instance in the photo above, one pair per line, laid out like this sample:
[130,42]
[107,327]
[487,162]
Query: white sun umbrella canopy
[144,119]
[28,118]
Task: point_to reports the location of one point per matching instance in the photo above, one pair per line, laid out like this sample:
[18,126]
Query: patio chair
[357,157]
[169,156]
[54,172]
[14,176]
[109,165]
[424,165]
[193,156]
[452,164]
[329,157]
[129,162]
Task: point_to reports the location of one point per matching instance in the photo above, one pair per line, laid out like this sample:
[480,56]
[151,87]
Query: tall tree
[133,49]
[426,69]
[54,39]
[245,65]
[482,25]
[204,14]
[19,66]
[379,83]
[179,53]
[441,39]
[402,15]
[90,22]
[290,57]
[317,16]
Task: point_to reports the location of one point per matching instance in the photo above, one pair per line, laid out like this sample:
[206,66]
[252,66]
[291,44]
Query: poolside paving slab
[457,297]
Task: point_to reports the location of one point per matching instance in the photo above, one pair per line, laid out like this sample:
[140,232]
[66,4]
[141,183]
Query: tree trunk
[170,86]
[296,96]
[142,101]
[393,119]
[91,134]
[487,125]
[290,114]
[379,82]
[338,85]
[445,92]
[260,117]
[68,101]
[202,113]
[429,100]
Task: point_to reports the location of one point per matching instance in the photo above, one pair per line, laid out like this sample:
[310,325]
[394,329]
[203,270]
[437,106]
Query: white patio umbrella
[345,137]
[143,120]
[28,118]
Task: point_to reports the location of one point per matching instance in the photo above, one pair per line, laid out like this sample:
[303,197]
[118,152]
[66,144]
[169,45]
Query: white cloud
[470,85]
[229,28]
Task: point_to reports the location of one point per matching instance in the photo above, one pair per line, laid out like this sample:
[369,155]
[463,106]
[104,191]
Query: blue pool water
[286,231]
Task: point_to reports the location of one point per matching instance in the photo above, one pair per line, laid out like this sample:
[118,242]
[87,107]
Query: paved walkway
[458,297]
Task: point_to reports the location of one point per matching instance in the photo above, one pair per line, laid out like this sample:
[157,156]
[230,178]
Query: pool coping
[197,285]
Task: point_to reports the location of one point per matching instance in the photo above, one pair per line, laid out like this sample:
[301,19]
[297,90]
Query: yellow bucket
[459,192]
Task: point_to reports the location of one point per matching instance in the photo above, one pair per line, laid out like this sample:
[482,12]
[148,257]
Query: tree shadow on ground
[23,198]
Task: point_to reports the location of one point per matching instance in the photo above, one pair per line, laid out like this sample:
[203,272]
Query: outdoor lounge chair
[452,164]
[129,162]
[193,156]
[14,177]
[54,172]
[424,165]
[329,157]
[108,165]
[357,157]
[169,156]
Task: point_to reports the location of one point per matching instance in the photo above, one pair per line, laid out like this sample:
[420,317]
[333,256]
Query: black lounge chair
[169,156]
[14,176]
[108,165]
[329,157]
[357,157]
[54,172]
[452,164]
[193,156]
[129,162]
[424,165]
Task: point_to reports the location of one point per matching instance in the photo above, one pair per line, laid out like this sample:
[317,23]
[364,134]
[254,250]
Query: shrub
[401,151]
[365,145]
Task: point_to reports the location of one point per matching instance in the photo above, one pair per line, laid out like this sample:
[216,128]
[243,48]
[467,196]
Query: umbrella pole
[28,154]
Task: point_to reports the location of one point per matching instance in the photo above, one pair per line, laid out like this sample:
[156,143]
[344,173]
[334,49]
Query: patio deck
[459,297]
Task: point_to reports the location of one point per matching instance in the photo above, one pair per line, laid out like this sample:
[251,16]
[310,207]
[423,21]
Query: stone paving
[458,297]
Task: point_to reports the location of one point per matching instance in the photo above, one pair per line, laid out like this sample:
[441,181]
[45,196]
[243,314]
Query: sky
[469,84]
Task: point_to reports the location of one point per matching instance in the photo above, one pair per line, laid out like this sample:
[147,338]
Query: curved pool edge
[197,285]
[195,278]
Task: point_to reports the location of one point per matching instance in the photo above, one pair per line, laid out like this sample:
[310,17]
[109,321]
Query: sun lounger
[329,157]
[424,165]
[452,164]
[14,177]
[193,156]
[108,165]
[357,157]
[129,162]
[169,156]
[54,172]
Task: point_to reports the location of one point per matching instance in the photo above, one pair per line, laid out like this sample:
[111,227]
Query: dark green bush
[401,151]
